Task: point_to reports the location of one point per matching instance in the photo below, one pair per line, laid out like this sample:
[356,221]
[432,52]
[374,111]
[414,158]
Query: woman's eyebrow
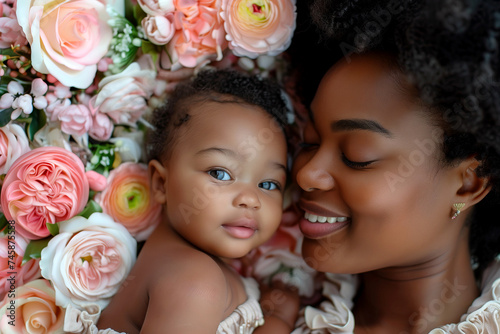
[359,124]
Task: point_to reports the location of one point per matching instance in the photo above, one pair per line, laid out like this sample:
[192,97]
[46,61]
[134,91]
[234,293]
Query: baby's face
[226,174]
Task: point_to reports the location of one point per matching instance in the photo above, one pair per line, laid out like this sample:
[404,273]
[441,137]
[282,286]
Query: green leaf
[91,207]
[38,120]
[53,228]
[8,52]
[150,48]
[139,14]
[34,249]
[3,222]
[5,116]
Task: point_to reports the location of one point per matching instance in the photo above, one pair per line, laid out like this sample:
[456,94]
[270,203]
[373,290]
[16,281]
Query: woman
[399,170]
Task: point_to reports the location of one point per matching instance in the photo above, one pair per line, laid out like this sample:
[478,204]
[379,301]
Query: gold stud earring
[457,207]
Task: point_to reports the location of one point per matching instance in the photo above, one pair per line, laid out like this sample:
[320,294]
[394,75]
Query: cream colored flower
[257,27]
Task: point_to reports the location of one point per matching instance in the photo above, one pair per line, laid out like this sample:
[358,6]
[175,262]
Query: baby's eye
[268,185]
[219,174]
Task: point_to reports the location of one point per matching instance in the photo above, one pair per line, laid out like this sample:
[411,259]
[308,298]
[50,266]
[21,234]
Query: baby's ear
[158,178]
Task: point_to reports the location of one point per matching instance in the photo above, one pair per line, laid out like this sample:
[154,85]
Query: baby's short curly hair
[450,52]
[223,86]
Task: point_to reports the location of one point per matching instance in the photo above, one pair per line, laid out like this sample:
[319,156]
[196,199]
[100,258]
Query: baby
[218,166]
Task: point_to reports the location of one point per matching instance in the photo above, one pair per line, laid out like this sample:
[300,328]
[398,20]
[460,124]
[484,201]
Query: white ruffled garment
[334,314]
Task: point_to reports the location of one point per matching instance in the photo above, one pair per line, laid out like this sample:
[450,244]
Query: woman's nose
[313,176]
[247,198]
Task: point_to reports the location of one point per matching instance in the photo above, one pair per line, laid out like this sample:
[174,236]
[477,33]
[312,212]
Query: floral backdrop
[79,79]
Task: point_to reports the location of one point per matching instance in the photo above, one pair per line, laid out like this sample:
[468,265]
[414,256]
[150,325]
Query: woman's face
[374,195]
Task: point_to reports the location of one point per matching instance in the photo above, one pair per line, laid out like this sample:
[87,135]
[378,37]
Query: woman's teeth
[322,219]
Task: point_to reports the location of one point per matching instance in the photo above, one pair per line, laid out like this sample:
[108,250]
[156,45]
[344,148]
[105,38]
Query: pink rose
[36,311]
[67,38]
[158,29]
[256,27]
[157,7]
[75,119]
[200,33]
[88,260]
[13,144]
[123,96]
[279,259]
[44,186]
[97,182]
[127,200]
[102,127]
[13,250]
[10,33]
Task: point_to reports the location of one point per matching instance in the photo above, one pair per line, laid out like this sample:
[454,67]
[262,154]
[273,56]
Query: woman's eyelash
[356,164]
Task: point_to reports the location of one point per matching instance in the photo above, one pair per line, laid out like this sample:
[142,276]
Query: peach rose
[88,260]
[256,27]
[35,310]
[13,144]
[13,251]
[200,33]
[67,38]
[127,200]
[45,185]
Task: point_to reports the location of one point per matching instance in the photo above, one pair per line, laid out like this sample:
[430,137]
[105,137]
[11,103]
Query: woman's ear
[474,188]
[158,177]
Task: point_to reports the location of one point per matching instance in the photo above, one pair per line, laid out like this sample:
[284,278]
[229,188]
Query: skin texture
[228,167]
[384,175]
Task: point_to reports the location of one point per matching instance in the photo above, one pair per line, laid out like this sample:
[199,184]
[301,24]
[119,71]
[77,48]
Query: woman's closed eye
[356,164]
[220,174]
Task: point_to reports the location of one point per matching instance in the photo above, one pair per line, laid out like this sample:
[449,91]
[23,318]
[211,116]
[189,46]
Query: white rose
[123,96]
[67,38]
[88,260]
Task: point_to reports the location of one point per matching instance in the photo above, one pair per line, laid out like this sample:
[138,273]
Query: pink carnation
[200,33]
[45,185]
[127,200]
[75,118]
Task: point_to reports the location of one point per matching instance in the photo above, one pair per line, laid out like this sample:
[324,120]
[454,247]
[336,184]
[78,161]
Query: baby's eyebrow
[278,165]
[224,151]
[234,155]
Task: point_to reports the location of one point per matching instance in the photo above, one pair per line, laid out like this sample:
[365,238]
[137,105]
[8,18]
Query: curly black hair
[450,51]
[223,86]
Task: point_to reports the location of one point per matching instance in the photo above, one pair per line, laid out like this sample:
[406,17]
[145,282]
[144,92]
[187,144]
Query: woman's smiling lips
[242,228]
[319,222]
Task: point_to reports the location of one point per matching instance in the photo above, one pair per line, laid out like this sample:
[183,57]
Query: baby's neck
[416,299]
